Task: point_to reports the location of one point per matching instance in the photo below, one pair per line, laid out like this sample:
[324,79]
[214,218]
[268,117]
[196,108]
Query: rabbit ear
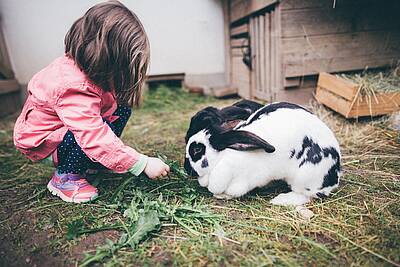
[202,120]
[235,113]
[249,105]
[239,140]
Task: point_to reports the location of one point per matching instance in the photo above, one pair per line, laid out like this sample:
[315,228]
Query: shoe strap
[64,177]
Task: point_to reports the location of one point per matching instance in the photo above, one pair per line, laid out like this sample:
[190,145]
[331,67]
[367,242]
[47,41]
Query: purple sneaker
[72,188]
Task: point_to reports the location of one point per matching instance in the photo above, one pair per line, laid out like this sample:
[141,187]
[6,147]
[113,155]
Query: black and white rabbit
[277,141]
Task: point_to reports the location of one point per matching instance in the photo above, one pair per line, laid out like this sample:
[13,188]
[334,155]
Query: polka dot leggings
[71,158]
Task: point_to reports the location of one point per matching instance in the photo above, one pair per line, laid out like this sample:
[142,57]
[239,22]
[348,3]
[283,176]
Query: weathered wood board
[339,52]
[241,77]
[343,19]
[242,8]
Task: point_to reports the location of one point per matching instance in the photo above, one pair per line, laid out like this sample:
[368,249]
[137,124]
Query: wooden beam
[8,86]
[240,30]
[5,64]
[241,77]
[224,91]
[243,8]
[344,88]
[238,43]
[343,19]
[332,101]
[165,77]
[292,82]
[312,67]
[339,52]
[228,55]
[5,71]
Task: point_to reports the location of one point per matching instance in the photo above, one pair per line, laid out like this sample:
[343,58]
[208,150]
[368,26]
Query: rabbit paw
[290,199]
[203,181]
[223,196]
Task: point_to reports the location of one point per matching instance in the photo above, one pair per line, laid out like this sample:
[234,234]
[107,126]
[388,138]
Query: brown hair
[110,46]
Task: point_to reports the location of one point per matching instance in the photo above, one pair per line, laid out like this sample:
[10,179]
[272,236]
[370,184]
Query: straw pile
[374,82]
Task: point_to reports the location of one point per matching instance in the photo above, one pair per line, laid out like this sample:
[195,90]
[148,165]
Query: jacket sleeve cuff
[139,166]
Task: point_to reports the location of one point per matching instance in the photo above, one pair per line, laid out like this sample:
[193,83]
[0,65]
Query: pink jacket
[61,98]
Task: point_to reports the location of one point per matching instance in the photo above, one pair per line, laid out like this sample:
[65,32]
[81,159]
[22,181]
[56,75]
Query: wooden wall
[349,36]
[239,44]
[291,41]
[266,74]
[259,36]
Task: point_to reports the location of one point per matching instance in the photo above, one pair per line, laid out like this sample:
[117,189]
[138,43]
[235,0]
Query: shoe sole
[56,192]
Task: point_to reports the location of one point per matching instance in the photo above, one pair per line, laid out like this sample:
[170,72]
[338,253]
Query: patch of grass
[173,221]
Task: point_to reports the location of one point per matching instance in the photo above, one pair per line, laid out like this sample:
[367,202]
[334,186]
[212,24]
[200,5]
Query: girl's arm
[80,110]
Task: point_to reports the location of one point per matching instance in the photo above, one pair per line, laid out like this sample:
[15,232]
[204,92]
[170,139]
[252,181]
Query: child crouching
[78,106]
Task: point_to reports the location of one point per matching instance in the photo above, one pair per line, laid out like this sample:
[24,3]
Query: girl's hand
[156,168]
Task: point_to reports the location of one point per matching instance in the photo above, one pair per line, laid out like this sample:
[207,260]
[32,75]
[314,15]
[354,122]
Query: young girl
[78,106]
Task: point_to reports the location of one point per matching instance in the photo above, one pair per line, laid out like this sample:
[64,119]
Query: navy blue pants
[71,158]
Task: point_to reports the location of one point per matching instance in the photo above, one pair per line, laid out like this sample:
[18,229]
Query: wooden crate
[343,96]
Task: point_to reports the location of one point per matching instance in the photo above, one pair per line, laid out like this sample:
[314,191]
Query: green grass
[173,221]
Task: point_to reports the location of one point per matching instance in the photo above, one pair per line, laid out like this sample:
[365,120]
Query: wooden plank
[333,101]
[296,4]
[300,96]
[6,72]
[8,86]
[292,82]
[242,42]
[273,55]
[257,54]
[243,8]
[253,49]
[345,19]
[261,42]
[227,43]
[165,77]
[278,52]
[315,4]
[312,67]
[237,52]
[241,77]
[240,30]
[341,45]
[239,9]
[224,91]
[336,85]
[383,104]
[257,5]
[268,61]
[5,64]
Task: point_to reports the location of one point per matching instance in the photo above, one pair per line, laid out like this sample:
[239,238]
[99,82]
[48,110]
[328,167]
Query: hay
[372,82]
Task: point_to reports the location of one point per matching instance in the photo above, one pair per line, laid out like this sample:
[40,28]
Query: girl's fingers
[164,173]
[166,168]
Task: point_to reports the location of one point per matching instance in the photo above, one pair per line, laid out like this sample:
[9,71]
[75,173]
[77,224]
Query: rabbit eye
[196,151]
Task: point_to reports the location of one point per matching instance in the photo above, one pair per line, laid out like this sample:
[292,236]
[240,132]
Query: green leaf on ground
[148,221]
